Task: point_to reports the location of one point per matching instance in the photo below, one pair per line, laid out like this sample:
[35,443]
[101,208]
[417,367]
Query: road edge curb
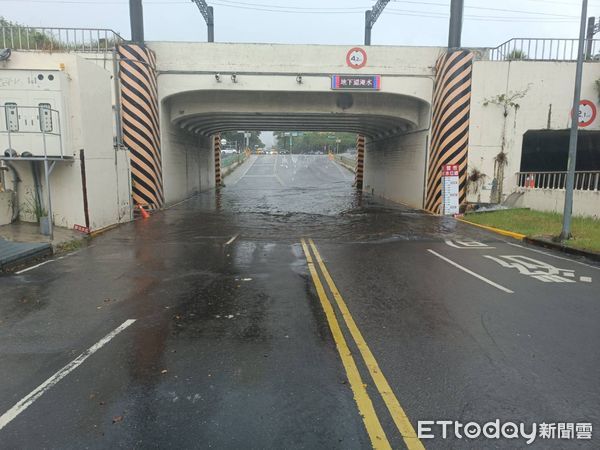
[562,248]
[538,242]
[512,234]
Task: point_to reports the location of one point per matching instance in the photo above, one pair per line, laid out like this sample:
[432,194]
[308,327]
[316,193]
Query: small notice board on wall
[450,190]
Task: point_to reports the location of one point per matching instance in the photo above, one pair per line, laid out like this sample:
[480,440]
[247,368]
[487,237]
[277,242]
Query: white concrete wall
[286,58]
[187,160]
[106,169]
[547,102]
[88,123]
[585,203]
[395,168]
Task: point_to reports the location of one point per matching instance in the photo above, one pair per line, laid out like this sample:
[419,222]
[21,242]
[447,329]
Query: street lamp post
[570,182]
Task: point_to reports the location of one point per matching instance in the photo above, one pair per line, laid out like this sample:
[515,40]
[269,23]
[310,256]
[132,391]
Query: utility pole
[456,20]
[371,16]
[592,29]
[136,20]
[568,210]
[209,17]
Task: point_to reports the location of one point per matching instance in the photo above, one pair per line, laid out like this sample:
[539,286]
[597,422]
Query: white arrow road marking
[24,403]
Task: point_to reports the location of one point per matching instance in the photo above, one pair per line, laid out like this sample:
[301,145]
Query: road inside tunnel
[287,310]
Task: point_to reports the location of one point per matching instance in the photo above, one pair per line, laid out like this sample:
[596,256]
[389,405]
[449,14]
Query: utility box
[31,110]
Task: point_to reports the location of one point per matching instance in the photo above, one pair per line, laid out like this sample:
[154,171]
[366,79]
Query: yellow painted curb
[511,234]
[103,230]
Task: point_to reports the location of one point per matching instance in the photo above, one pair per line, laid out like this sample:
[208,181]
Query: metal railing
[584,181]
[228,160]
[89,40]
[346,160]
[540,49]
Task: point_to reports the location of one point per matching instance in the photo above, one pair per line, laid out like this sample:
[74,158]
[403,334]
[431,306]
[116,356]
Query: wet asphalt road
[231,348]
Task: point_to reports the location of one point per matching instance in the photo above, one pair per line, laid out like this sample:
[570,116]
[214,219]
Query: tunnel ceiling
[377,114]
[207,124]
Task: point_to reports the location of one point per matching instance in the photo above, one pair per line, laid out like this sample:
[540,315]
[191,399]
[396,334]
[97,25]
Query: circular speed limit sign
[587,113]
[356,58]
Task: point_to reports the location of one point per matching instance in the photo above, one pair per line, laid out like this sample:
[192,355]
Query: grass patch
[69,246]
[586,231]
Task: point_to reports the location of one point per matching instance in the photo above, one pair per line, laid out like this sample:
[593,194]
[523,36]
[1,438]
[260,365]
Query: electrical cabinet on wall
[32,119]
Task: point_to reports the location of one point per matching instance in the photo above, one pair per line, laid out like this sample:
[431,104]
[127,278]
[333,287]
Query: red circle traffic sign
[356,58]
[587,113]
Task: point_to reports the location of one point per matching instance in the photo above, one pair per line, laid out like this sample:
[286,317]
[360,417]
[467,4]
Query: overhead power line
[537,17]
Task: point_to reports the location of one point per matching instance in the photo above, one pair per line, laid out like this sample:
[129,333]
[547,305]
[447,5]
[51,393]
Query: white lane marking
[179,203]
[251,160]
[25,402]
[232,239]
[550,254]
[470,272]
[19,272]
[585,279]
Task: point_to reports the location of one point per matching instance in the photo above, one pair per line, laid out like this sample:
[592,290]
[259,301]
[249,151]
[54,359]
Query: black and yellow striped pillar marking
[360,161]
[140,123]
[217,146]
[450,124]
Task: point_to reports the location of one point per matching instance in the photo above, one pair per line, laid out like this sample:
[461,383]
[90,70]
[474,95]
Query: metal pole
[210,23]
[591,25]
[136,19]
[568,210]
[47,176]
[456,19]
[368,27]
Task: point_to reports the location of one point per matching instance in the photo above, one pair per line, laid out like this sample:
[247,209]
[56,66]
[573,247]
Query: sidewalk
[21,242]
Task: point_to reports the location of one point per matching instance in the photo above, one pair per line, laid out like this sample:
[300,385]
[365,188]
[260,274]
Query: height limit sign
[450,189]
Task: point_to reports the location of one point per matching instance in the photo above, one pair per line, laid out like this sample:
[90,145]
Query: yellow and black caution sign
[217,145]
[450,124]
[360,161]
[140,123]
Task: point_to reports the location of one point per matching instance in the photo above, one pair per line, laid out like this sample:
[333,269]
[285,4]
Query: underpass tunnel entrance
[390,130]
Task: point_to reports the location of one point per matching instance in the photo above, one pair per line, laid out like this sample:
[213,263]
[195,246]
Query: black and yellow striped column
[140,123]
[450,123]
[360,161]
[217,145]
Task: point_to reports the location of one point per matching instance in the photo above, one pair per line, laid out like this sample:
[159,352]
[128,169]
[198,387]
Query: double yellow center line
[365,405]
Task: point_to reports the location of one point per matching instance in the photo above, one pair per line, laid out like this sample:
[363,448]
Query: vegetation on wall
[597,84]
[475,181]
[508,102]
[516,55]
[17,36]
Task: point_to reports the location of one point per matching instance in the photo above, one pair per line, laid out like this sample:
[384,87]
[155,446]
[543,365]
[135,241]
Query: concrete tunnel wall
[188,161]
[395,168]
[194,99]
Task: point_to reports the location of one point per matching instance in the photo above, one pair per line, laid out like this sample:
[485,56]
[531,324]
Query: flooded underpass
[288,310]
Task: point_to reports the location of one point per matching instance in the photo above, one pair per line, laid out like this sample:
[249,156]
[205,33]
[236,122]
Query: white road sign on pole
[450,190]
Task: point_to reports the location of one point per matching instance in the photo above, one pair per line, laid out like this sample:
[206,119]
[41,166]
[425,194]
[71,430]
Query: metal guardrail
[349,162]
[89,40]
[584,181]
[540,49]
[228,160]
